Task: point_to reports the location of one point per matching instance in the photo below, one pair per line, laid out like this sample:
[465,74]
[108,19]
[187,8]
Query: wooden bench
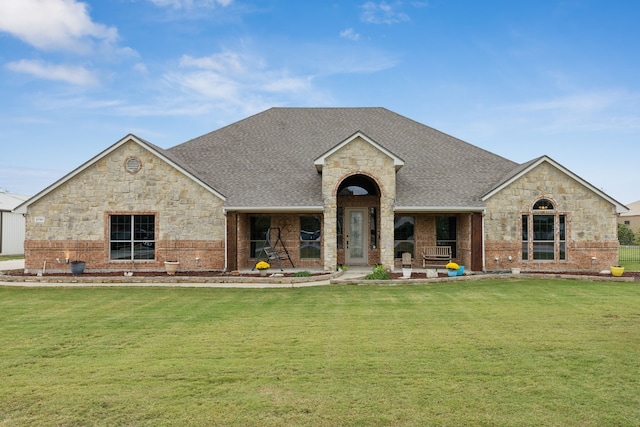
[436,256]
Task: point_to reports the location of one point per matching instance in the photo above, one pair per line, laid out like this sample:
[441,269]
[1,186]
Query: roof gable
[634,209]
[157,151]
[320,161]
[9,201]
[527,167]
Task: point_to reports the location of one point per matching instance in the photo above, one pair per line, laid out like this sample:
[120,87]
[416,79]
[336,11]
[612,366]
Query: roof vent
[132,164]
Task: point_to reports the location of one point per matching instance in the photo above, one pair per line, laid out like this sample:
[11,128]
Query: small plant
[379,273]
[263,265]
[342,267]
[452,266]
[302,274]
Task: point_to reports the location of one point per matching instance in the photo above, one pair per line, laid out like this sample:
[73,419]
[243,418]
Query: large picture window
[132,237]
[403,236]
[447,233]
[259,226]
[544,233]
[310,227]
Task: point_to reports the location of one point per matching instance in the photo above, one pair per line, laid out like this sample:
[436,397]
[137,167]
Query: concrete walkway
[77,281]
[14,264]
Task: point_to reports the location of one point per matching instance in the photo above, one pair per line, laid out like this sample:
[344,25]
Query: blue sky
[518,78]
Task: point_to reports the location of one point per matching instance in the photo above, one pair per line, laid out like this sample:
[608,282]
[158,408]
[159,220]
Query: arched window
[542,205]
[544,233]
[358,185]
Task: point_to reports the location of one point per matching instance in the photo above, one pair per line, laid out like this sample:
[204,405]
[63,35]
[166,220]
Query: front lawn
[488,353]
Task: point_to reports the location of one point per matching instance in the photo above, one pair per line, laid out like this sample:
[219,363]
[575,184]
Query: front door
[357,226]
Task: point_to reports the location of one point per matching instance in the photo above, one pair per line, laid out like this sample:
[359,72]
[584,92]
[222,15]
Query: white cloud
[141,68]
[54,24]
[577,103]
[222,62]
[190,4]
[70,74]
[350,34]
[233,77]
[287,84]
[382,13]
[207,84]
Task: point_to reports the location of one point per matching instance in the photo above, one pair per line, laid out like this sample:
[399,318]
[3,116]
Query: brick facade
[289,225]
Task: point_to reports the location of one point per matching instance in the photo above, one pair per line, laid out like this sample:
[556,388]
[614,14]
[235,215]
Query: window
[358,185]
[373,226]
[259,226]
[132,237]
[543,237]
[525,237]
[403,236]
[544,233]
[339,221]
[446,233]
[562,239]
[310,227]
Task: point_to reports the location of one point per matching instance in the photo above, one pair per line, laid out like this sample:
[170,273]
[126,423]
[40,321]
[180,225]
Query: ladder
[271,252]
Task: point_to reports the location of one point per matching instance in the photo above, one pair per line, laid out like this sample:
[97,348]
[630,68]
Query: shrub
[302,274]
[379,273]
[626,236]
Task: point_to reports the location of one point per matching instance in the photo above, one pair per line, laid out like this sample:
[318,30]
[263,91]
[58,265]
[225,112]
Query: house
[631,218]
[354,186]
[12,225]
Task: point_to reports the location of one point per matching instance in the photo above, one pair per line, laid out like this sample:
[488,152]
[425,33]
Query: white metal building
[12,224]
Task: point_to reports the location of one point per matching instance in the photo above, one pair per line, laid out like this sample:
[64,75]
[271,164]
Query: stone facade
[591,223]
[358,157]
[73,221]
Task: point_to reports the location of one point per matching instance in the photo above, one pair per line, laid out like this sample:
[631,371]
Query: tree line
[626,236]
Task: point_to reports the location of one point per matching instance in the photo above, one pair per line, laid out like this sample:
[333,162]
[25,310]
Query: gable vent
[132,164]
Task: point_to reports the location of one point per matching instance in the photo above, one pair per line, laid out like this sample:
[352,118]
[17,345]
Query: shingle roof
[266,160]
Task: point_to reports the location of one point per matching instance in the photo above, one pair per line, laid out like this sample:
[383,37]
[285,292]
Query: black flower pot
[77,267]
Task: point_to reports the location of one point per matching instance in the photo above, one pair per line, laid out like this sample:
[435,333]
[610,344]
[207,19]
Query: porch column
[386,231]
[330,230]
[232,241]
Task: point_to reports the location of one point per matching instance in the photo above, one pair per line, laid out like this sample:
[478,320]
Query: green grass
[514,352]
[630,266]
[629,258]
[11,257]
